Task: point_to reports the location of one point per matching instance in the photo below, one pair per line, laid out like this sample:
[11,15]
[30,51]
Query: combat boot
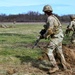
[44,67]
[53,70]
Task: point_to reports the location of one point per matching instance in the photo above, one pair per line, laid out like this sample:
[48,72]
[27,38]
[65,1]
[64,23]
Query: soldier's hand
[45,36]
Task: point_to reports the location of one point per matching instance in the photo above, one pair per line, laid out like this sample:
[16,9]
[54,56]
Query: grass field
[14,41]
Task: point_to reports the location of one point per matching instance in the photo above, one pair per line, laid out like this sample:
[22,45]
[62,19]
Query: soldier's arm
[70,25]
[50,27]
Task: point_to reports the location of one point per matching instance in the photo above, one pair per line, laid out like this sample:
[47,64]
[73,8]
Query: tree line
[30,17]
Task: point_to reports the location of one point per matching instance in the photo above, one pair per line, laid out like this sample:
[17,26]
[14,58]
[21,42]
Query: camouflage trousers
[55,44]
[73,38]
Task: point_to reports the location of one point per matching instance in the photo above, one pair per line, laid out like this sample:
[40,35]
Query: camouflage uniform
[72,26]
[55,41]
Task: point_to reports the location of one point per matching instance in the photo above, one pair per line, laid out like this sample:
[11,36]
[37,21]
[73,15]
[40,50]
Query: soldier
[72,27]
[53,29]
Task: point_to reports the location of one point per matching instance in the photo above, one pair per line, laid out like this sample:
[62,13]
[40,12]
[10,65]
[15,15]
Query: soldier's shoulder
[51,18]
[73,21]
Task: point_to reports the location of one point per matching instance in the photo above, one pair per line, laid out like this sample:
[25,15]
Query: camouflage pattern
[73,16]
[47,8]
[72,26]
[55,41]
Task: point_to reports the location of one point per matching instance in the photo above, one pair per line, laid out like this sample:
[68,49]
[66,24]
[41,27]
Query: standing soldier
[72,27]
[53,29]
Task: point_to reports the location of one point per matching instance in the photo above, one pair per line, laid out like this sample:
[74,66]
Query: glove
[48,33]
[45,36]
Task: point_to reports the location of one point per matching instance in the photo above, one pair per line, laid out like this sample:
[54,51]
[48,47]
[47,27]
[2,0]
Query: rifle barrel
[36,42]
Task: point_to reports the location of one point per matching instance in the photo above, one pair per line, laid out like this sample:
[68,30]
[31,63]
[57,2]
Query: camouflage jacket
[54,23]
[72,25]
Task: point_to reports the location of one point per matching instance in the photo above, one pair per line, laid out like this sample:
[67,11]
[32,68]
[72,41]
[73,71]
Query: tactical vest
[57,28]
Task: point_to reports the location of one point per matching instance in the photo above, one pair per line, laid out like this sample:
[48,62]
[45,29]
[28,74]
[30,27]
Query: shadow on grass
[27,59]
[9,34]
[16,34]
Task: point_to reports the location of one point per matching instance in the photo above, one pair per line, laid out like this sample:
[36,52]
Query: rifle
[67,32]
[42,32]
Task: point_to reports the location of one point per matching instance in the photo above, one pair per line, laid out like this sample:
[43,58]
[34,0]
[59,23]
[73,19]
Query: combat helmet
[73,16]
[47,8]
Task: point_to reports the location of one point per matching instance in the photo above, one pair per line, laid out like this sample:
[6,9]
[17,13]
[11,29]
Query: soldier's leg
[60,52]
[54,66]
[51,57]
[73,38]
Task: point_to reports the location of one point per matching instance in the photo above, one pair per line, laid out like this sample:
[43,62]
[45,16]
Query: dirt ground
[31,68]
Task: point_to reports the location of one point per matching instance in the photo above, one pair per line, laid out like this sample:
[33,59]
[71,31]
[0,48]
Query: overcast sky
[60,7]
